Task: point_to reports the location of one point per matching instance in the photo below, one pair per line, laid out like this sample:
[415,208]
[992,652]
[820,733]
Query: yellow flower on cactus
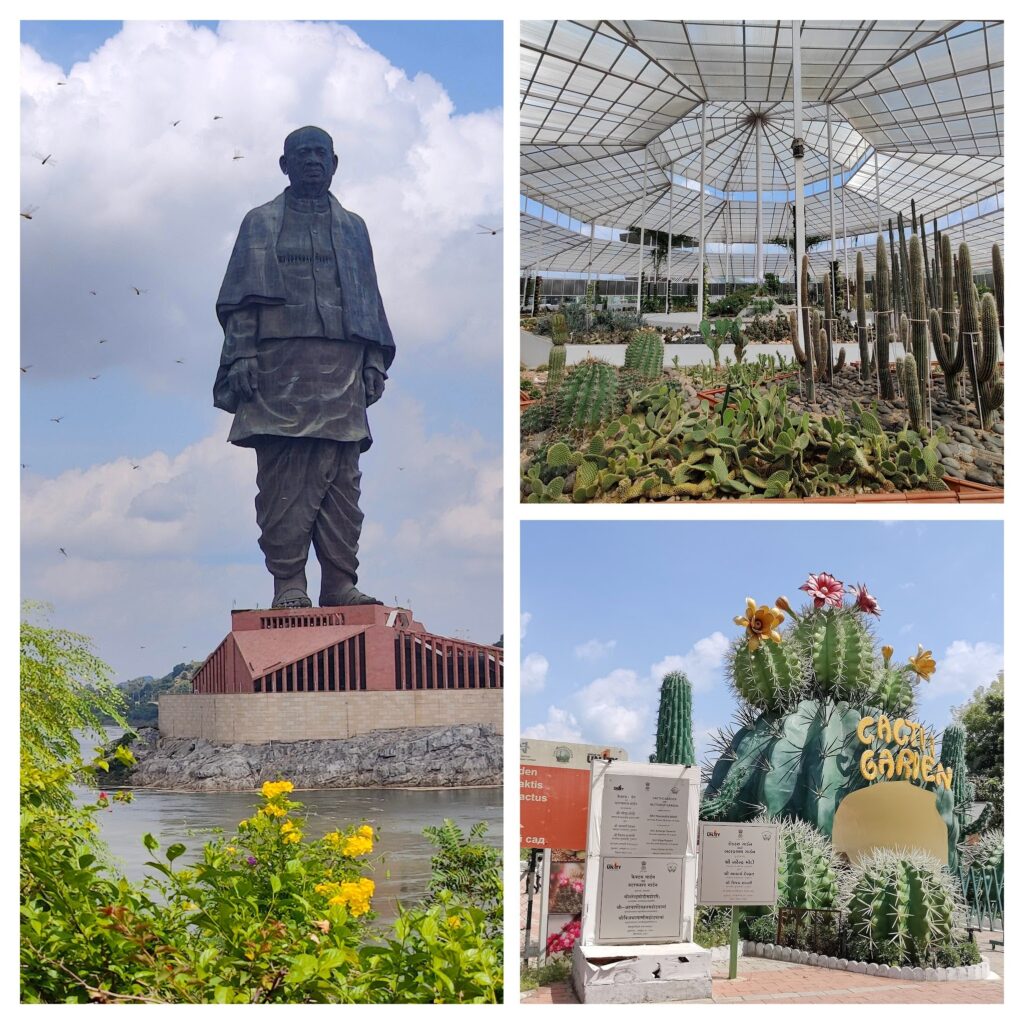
[782,603]
[922,663]
[357,846]
[760,624]
[275,789]
[886,654]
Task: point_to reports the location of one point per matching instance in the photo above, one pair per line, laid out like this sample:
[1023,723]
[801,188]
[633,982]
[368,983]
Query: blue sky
[136,482]
[610,607]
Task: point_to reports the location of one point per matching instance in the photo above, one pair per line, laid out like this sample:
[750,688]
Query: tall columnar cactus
[839,647]
[997,278]
[905,898]
[808,867]
[588,395]
[559,329]
[821,358]
[969,326]
[929,283]
[674,743]
[919,316]
[646,354]
[947,342]
[904,266]
[536,294]
[862,322]
[954,745]
[556,369]
[829,318]
[883,313]
[794,338]
[988,363]
[911,389]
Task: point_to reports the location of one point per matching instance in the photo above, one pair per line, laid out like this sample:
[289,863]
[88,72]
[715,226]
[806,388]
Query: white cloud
[702,663]
[560,725]
[965,666]
[533,673]
[615,707]
[594,650]
[524,621]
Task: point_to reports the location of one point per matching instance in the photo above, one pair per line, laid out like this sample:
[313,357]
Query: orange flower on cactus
[886,654]
[922,663]
[760,624]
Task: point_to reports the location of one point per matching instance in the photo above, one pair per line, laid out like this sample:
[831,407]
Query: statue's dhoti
[309,491]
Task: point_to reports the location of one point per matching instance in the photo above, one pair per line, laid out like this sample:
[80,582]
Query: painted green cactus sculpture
[904,898]
[645,353]
[806,693]
[808,867]
[674,738]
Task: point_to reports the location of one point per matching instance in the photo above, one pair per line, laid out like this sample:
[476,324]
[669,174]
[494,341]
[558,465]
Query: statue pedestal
[641,974]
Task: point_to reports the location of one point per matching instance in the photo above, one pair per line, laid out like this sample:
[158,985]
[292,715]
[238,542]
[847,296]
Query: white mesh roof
[598,96]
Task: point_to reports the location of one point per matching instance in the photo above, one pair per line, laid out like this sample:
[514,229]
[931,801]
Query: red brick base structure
[342,650]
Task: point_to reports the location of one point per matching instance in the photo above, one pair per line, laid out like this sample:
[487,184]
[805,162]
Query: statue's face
[309,161]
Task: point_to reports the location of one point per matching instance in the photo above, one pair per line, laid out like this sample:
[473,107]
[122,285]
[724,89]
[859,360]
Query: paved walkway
[772,981]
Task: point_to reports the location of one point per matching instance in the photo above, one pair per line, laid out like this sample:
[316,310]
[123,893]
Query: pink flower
[825,589]
[864,601]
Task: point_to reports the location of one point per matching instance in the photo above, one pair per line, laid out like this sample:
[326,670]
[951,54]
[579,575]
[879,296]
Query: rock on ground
[454,755]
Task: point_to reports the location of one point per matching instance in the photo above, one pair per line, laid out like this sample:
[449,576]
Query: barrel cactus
[588,396]
[808,867]
[646,354]
[675,721]
[806,692]
[901,898]
[982,863]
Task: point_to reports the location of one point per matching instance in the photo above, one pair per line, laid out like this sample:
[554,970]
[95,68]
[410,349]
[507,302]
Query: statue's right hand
[242,377]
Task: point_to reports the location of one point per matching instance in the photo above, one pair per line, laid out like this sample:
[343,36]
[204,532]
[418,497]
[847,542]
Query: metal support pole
[831,204]
[759,232]
[640,252]
[878,198]
[846,240]
[963,223]
[590,267]
[798,175]
[700,267]
[734,941]
[671,210]
[540,259]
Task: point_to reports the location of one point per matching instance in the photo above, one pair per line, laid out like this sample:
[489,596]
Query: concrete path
[772,981]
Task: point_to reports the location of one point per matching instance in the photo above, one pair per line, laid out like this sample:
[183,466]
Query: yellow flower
[231,849]
[760,624]
[289,833]
[243,823]
[454,922]
[886,654]
[273,811]
[365,831]
[922,663]
[334,838]
[273,789]
[357,846]
[783,604]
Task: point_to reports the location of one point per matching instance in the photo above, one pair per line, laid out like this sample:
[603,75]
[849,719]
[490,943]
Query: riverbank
[430,757]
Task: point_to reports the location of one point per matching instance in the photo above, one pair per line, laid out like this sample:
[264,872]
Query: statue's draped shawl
[253,277]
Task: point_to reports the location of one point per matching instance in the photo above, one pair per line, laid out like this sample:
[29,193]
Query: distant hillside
[141,694]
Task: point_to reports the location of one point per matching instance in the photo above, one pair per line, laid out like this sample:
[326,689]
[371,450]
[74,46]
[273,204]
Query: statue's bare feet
[349,596]
[294,597]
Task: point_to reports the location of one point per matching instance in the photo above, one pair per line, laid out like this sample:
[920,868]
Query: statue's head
[309,160]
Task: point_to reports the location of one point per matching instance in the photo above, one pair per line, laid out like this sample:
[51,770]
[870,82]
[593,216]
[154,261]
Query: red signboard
[554,784]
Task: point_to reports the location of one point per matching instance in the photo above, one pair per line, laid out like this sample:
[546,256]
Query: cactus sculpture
[588,396]
[883,323]
[675,721]
[556,369]
[997,278]
[901,898]
[910,381]
[797,751]
[559,329]
[862,322]
[919,340]
[808,867]
[646,354]
[712,339]
[954,744]
[982,863]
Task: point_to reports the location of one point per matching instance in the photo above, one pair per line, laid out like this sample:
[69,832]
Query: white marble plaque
[738,865]
[641,899]
[644,817]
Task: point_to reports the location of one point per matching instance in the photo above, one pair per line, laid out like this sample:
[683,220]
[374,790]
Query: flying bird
[134,466]
[484,230]
[97,377]
[91,292]
[28,211]
[238,155]
[179,360]
[218,117]
[27,367]
[47,159]
[63,552]
[139,291]
[103,341]
[56,419]
[24,465]
[174,124]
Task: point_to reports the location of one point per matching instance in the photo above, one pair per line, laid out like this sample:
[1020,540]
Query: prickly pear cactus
[675,721]
[904,898]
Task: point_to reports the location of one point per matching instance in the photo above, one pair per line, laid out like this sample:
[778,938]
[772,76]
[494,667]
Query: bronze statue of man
[306,351]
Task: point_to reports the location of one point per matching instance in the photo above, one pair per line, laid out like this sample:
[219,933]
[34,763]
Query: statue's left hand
[373,382]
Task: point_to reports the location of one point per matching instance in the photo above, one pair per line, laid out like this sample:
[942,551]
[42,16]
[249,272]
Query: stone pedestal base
[641,974]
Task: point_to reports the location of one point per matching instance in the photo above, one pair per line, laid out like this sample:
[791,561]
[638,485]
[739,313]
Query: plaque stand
[636,943]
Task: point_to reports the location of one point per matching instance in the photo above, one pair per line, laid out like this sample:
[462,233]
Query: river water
[401,857]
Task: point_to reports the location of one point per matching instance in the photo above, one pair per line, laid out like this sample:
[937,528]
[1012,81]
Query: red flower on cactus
[825,589]
[864,601]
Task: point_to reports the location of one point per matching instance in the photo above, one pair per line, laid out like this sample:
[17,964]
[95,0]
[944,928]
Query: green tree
[982,718]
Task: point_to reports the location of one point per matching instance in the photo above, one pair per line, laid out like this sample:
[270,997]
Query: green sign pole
[734,942]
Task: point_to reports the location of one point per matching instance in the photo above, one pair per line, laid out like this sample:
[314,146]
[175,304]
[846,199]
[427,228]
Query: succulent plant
[556,369]
[910,382]
[984,855]
[808,867]
[839,649]
[588,396]
[997,280]
[712,339]
[988,363]
[646,354]
[919,340]
[862,322]
[770,677]
[674,738]
[905,898]
[559,329]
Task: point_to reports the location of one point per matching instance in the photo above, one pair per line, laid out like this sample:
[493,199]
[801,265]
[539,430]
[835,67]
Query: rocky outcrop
[452,755]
